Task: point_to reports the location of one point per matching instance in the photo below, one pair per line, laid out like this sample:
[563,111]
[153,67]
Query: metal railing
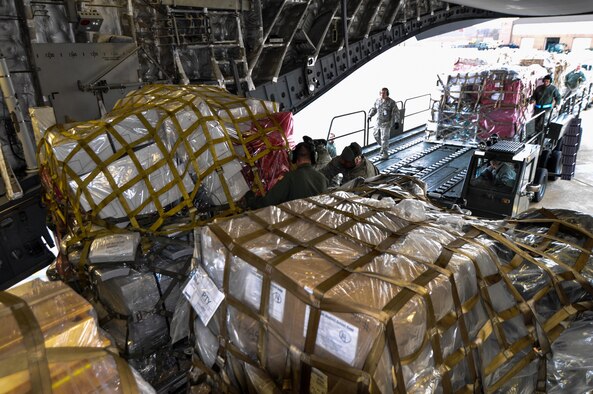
[366,128]
[530,132]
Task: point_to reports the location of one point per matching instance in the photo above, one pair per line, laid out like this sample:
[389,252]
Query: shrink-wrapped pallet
[570,366]
[136,298]
[52,322]
[484,100]
[66,319]
[343,293]
[138,324]
[142,192]
[164,155]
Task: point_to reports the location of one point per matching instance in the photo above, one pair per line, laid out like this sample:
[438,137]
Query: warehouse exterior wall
[576,31]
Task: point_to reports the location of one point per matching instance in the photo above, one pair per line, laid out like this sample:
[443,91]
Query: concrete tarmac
[577,193]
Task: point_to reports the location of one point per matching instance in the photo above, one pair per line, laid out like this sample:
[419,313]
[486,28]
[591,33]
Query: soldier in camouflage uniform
[387,112]
[351,164]
[304,181]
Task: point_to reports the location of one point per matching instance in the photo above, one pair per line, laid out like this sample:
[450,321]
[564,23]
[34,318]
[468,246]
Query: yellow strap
[33,341]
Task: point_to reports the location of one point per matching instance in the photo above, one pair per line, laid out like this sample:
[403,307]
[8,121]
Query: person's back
[304,181]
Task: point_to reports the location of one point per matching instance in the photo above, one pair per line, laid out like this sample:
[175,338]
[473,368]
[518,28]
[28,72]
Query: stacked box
[72,355]
[166,158]
[571,142]
[163,152]
[137,296]
[484,101]
[145,185]
[454,115]
[340,292]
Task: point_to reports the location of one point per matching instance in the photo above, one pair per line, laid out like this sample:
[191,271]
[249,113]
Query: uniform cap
[347,154]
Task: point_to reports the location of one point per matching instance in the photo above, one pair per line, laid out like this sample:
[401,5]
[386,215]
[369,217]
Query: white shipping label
[203,295]
[306,323]
[253,286]
[337,337]
[114,245]
[277,300]
[318,384]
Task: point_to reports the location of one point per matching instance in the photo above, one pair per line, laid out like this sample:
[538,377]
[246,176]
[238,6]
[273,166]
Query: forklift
[505,176]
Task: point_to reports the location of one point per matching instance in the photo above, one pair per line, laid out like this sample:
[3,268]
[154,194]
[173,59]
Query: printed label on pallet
[253,287]
[203,295]
[318,383]
[335,335]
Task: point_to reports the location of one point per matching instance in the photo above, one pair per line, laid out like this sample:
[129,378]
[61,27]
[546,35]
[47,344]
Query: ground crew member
[323,157]
[331,146]
[545,97]
[351,164]
[302,182]
[387,112]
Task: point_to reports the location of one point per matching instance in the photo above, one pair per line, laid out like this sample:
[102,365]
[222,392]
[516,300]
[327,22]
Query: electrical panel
[89,20]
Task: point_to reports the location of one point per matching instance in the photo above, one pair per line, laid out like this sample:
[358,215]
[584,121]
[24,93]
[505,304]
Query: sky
[407,70]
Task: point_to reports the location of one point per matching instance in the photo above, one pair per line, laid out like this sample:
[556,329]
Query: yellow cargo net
[149,161]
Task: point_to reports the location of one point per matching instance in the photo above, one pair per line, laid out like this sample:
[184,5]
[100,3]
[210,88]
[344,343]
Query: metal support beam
[293,92]
[16,114]
[345,30]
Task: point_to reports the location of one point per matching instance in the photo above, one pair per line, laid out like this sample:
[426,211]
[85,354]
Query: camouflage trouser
[381,135]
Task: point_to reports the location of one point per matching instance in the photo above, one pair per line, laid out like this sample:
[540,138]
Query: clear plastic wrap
[103,145]
[162,151]
[114,247]
[140,190]
[408,258]
[275,164]
[446,281]
[141,337]
[214,148]
[127,295]
[140,303]
[570,369]
[92,374]
[68,326]
[484,100]
[161,367]
[66,319]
